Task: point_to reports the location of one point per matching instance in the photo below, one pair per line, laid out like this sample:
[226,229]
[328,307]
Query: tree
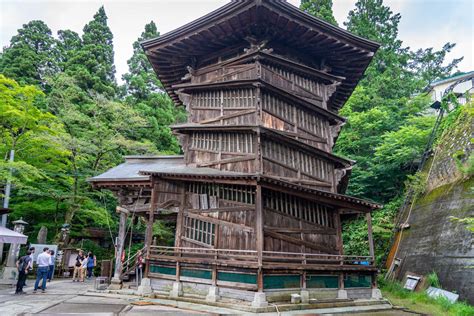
[38,174]
[141,80]
[145,94]
[31,56]
[69,43]
[387,129]
[319,8]
[100,131]
[93,63]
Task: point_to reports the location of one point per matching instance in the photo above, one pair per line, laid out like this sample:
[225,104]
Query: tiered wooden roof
[288,30]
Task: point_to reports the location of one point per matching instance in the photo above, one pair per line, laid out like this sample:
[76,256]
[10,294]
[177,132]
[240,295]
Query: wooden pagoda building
[258,195]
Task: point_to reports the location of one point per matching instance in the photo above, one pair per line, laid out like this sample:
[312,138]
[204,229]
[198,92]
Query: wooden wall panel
[285,161]
[285,116]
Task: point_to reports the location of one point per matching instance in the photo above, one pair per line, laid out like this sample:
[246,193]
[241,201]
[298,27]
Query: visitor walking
[52,259]
[22,265]
[77,275]
[91,263]
[139,267]
[30,265]
[84,268]
[43,267]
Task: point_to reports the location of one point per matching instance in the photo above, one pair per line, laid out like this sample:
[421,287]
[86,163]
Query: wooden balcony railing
[270,259]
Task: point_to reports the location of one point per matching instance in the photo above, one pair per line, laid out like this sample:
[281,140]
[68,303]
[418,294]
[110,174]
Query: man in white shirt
[43,267]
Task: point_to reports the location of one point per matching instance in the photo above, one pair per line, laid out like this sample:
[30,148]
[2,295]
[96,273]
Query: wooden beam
[220,222]
[223,209]
[226,161]
[318,230]
[227,116]
[300,242]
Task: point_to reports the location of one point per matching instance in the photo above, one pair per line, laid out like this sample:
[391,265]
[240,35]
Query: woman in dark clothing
[91,262]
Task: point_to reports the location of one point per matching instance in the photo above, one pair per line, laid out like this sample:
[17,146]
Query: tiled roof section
[191,172]
[129,170]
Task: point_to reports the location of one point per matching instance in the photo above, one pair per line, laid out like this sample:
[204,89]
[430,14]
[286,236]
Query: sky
[424,23]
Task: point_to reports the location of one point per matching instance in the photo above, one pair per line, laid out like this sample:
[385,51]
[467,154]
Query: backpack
[22,263]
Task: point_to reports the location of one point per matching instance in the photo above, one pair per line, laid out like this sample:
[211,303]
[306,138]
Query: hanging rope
[108,222]
[130,227]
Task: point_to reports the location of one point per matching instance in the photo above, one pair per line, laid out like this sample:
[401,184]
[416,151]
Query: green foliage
[141,80]
[421,302]
[319,8]
[91,62]
[387,128]
[145,94]
[77,127]
[31,56]
[433,280]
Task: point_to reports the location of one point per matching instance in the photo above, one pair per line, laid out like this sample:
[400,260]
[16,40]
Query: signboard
[39,249]
[411,282]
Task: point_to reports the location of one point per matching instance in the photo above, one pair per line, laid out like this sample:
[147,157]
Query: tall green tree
[32,55]
[39,172]
[387,129]
[141,80]
[146,95]
[100,131]
[93,63]
[319,8]
[69,43]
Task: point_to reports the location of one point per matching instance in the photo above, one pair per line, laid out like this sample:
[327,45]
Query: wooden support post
[149,226]
[179,228]
[371,239]
[259,235]
[338,227]
[117,278]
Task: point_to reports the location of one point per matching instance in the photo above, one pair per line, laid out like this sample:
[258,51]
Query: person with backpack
[22,265]
[30,265]
[91,263]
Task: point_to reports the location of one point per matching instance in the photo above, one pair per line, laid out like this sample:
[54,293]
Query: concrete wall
[434,241]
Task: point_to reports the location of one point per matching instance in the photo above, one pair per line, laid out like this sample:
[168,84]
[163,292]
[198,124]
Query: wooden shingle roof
[276,21]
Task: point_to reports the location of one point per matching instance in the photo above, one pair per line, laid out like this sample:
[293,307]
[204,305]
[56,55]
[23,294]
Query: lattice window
[298,208]
[200,231]
[235,98]
[237,193]
[224,142]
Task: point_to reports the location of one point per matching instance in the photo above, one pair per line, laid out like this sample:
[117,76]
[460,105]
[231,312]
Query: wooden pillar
[371,239]
[120,244]
[149,226]
[338,227]
[259,235]
[179,228]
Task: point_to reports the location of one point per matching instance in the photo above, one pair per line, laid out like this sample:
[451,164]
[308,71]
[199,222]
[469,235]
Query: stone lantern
[15,248]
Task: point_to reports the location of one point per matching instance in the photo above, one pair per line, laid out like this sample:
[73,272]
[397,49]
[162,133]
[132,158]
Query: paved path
[63,297]
[71,298]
